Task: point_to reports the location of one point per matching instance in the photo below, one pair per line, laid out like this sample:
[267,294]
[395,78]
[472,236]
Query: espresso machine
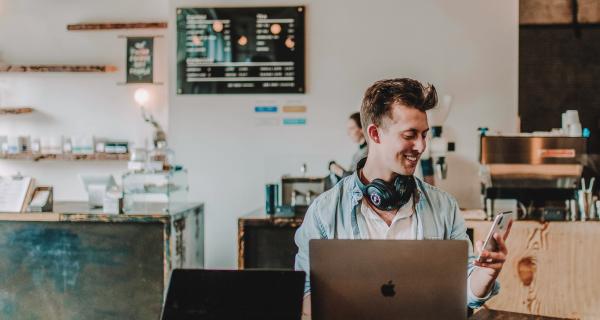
[297,193]
[540,172]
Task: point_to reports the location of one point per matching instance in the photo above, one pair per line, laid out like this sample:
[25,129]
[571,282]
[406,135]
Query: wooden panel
[552,269]
[57,68]
[267,242]
[113,26]
[589,11]
[81,270]
[15,110]
[545,12]
[486,314]
[67,157]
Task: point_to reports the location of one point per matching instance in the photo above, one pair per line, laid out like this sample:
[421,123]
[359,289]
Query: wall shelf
[15,110]
[115,26]
[57,68]
[67,157]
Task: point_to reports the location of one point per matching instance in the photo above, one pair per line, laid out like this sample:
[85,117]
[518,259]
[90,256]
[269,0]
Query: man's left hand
[492,261]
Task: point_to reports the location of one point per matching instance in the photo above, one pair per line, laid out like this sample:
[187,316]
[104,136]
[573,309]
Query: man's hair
[380,96]
[356,117]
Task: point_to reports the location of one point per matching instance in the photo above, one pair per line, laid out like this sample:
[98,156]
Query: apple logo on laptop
[387,289]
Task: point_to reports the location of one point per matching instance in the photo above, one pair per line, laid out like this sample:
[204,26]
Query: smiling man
[383,199]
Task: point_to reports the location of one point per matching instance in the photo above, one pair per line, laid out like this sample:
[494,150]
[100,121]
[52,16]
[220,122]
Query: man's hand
[482,278]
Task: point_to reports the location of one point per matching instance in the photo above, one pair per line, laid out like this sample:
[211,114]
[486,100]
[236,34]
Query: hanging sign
[140,59]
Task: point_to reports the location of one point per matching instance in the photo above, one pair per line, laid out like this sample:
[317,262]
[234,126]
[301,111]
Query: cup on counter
[271,198]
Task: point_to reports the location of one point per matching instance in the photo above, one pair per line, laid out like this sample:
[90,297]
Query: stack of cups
[570,123]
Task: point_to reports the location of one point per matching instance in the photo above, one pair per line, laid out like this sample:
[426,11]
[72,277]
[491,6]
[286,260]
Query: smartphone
[499,226]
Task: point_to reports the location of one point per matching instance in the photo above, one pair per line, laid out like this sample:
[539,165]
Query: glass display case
[158,191]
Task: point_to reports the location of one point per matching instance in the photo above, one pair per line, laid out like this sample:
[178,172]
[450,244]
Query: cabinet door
[268,247]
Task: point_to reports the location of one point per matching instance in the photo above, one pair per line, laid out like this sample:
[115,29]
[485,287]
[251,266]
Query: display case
[160,191]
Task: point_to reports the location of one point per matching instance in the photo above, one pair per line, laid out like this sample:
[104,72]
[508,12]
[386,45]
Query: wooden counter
[77,263]
[553,269]
[267,241]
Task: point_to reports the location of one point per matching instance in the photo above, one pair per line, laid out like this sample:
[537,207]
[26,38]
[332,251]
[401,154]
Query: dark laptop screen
[234,294]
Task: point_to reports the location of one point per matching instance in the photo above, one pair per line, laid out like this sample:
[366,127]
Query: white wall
[35,32]
[467,48]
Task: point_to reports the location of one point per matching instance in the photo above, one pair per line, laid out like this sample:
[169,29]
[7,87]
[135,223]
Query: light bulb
[141,96]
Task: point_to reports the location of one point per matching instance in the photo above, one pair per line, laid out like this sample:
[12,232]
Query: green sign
[140,59]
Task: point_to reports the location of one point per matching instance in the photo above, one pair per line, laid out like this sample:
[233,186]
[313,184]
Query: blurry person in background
[355,132]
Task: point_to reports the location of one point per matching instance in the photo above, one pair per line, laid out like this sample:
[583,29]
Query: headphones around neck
[383,195]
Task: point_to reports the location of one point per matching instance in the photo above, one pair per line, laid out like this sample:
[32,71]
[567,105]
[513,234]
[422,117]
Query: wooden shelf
[57,68]
[115,26]
[67,157]
[15,110]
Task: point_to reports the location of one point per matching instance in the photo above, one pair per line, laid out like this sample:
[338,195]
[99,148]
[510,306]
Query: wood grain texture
[545,12]
[553,269]
[259,219]
[486,314]
[115,26]
[15,110]
[588,11]
[67,157]
[57,68]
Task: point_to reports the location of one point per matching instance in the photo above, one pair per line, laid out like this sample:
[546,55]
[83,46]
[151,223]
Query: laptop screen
[234,294]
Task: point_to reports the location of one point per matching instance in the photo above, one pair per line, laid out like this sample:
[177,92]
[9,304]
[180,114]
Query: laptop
[234,294]
[388,279]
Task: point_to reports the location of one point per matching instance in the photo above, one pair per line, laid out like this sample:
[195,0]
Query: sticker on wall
[294,121]
[265,109]
[140,56]
[267,122]
[294,109]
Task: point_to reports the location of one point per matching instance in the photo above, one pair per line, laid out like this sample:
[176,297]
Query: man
[395,126]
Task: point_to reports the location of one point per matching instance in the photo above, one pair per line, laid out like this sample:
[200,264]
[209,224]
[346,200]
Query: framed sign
[140,59]
[240,50]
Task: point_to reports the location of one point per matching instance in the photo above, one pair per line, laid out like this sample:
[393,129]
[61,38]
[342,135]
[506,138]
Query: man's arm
[482,284]
[311,228]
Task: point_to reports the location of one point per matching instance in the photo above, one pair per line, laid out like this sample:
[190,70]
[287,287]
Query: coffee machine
[540,172]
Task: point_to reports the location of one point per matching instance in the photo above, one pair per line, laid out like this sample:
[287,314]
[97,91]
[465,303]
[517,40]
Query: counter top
[80,211]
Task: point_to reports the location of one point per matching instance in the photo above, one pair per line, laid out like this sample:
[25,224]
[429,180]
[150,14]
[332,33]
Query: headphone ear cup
[404,186]
[381,194]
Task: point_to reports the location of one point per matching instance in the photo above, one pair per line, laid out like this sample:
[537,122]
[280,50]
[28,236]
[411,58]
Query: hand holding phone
[500,226]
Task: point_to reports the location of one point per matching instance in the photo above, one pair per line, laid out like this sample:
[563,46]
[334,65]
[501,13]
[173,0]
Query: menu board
[240,50]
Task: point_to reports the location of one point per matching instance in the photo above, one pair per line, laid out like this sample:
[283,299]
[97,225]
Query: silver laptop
[388,279]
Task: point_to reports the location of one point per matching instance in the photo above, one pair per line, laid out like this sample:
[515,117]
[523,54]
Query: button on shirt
[372,226]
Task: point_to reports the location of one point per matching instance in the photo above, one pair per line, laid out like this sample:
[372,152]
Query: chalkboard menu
[139,59]
[240,50]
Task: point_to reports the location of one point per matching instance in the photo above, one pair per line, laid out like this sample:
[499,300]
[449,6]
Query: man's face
[354,132]
[402,139]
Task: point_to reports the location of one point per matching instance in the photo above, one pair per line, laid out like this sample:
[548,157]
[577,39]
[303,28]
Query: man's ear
[373,133]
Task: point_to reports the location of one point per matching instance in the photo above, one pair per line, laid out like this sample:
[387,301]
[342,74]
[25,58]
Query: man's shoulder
[435,194]
[340,189]
[327,203]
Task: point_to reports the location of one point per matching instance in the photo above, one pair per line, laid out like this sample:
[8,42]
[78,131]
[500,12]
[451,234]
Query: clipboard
[15,193]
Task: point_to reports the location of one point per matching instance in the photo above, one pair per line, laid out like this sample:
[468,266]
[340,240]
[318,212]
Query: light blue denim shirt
[335,212]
